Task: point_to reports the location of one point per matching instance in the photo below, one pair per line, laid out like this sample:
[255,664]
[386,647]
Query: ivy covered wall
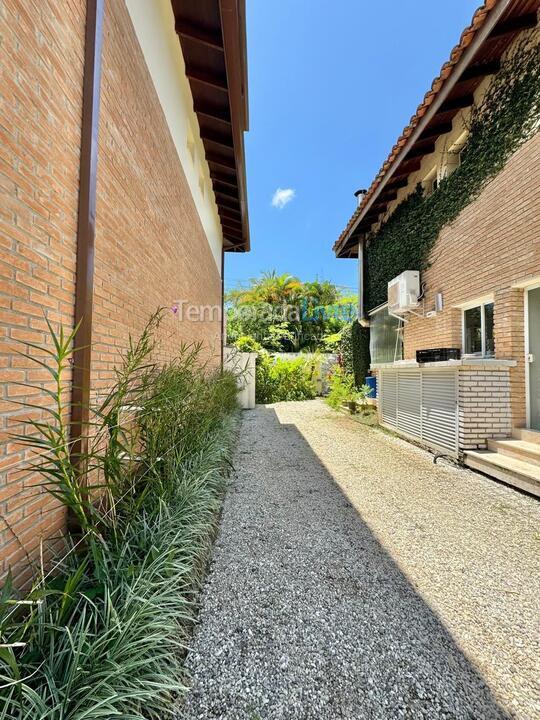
[507,117]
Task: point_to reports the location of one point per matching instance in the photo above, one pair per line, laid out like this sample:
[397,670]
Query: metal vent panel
[389,398]
[422,404]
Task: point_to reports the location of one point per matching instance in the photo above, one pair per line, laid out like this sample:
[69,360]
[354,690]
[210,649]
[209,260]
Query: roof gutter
[463,62]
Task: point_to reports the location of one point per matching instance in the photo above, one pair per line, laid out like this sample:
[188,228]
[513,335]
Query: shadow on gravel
[311,616]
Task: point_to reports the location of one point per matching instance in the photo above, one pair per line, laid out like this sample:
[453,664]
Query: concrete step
[520,449]
[532,436]
[520,474]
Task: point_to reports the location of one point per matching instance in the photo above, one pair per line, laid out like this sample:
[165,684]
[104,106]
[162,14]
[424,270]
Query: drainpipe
[222,331]
[86,226]
[360,195]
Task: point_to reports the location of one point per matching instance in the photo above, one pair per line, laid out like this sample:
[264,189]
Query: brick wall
[494,243]
[150,247]
[41,56]
[484,406]
[151,250]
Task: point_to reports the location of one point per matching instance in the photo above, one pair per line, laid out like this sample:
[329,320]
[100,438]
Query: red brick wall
[150,247]
[494,243]
[41,60]
[151,250]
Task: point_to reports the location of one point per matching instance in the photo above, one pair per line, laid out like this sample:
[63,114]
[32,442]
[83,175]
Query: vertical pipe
[222,306]
[360,280]
[86,224]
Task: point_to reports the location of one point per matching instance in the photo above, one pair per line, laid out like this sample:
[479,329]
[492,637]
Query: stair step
[532,436]
[520,449]
[524,475]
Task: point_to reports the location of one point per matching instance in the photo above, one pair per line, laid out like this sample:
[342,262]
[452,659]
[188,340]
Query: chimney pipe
[360,195]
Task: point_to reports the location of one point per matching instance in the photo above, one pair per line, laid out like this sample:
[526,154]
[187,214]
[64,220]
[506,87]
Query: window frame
[398,330]
[471,306]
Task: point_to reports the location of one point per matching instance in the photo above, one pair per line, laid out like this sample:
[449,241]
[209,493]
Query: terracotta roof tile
[466,38]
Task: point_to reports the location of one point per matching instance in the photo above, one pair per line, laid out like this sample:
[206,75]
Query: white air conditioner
[403,292]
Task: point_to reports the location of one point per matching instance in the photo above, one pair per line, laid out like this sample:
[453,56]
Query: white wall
[153,21]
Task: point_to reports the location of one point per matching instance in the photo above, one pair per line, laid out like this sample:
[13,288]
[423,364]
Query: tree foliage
[284,314]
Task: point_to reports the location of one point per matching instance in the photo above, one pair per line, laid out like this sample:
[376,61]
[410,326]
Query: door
[533,349]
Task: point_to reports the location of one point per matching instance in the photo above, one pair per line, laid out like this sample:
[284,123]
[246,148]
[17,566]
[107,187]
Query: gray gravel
[352,578]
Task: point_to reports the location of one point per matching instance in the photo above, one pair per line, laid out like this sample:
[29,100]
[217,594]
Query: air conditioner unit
[403,292]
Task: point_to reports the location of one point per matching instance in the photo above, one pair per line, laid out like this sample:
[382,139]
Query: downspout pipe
[86,227]
[362,319]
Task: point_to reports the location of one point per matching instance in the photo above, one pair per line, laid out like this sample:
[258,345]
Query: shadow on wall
[324,590]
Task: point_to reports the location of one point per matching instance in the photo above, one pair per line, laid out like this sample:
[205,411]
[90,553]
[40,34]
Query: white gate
[422,404]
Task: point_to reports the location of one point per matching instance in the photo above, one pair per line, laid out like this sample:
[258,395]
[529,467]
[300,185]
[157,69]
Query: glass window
[489,347]
[386,342]
[478,337]
[473,331]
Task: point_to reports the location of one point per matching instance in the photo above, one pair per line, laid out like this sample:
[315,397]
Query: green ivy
[505,119]
[355,351]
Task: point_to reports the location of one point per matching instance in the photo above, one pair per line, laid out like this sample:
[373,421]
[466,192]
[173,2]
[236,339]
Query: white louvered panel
[389,398]
[439,405]
[409,411]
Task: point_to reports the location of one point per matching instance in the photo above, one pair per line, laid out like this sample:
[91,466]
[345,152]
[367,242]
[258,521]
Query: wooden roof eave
[454,94]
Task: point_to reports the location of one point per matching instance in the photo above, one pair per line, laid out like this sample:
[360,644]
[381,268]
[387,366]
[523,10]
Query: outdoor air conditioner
[403,292]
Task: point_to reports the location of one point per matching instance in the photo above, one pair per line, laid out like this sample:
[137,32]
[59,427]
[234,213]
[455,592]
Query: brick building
[478,293]
[156,93]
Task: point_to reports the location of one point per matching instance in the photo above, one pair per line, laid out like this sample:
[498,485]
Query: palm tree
[270,288]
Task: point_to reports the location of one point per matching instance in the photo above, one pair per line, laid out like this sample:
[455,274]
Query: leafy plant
[278,379]
[354,350]
[246,343]
[104,634]
[342,388]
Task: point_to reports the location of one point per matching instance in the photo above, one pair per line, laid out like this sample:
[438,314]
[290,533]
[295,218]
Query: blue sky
[331,86]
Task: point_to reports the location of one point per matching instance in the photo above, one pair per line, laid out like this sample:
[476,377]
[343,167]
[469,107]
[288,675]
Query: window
[385,338]
[454,155]
[478,336]
[430,182]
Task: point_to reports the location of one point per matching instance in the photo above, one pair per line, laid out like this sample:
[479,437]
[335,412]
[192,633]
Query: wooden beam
[228,202]
[436,131]
[480,70]
[457,103]
[205,78]
[397,183]
[230,213]
[416,152]
[410,166]
[86,228]
[225,141]
[199,34]
[220,160]
[232,232]
[224,179]
[213,113]
[231,224]
[522,22]
[388,196]
[226,190]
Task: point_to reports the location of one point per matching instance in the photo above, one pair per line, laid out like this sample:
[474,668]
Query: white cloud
[282,196]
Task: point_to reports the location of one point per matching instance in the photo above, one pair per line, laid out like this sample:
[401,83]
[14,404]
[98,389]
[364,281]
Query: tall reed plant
[104,635]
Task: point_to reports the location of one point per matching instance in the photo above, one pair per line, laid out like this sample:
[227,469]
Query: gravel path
[352,578]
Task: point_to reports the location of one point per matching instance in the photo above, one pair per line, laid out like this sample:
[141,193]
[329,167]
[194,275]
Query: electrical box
[403,292]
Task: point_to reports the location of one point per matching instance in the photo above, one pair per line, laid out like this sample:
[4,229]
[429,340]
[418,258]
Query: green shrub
[279,379]
[247,344]
[342,387]
[354,349]
[107,632]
